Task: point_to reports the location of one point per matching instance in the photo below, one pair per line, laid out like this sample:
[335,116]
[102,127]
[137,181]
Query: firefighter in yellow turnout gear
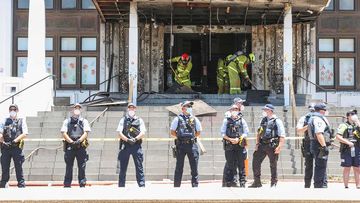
[222,78]
[236,65]
[184,66]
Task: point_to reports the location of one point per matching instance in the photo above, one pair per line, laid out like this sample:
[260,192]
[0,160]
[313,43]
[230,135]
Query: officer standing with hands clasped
[269,140]
[234,131]
[75,132]
[186,128]
[131,130]
[301,128]
[348,134]
[320,138]
[12,132]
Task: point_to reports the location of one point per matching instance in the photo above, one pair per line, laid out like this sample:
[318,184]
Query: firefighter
[237,65]
[222,77]
[184,66]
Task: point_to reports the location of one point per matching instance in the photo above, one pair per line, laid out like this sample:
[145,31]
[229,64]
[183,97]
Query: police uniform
[185,127]
[235,154]
[352,133]
[270,131]
[131,127]
[11,129]
[319,124]
[75,128]
[305,149]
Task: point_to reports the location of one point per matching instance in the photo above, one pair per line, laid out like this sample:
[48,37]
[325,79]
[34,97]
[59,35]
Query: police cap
[186,103]
[320,106]
[268,107]
[13,106]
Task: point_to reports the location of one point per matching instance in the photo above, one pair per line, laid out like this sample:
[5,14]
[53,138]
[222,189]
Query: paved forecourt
[164,192]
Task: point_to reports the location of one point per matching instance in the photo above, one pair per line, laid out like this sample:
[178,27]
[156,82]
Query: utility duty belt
[272,142]
[186,141]
[68,146]
[10,145]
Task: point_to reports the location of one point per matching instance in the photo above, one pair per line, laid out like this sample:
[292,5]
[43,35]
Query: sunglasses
[12,109]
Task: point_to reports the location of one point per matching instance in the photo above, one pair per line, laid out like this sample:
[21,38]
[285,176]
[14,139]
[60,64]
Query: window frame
[81,6]
[334,44]
[346,87]
[333,6]
[338,6]
[96,43]
[69,9]
[354,44]
[69,36]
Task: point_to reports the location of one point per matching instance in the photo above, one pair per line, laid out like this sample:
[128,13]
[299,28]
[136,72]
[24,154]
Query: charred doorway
[203,73]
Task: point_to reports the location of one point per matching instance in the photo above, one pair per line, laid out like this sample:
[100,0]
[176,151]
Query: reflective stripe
[235,88]
[185,80]
[233,69]
[220,79]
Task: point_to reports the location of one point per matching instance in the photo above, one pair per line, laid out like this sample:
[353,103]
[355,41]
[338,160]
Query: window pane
[87,4]
[88,44]
[326,71]
[326,45]
[49,44]
[23,4]
[330,7]
[49,4]
[346,5]
[88,70]
[68,70]
[21,66]
[22,44]
[68,4]
[346,45]
[49,64]
[68,44]
[346,70]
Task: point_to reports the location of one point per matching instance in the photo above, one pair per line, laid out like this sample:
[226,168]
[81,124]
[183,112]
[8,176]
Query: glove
[77,142]
[131,141]
[7,144]
[324,151]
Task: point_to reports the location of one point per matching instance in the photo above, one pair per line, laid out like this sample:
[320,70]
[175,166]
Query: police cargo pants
[138,156]
[309,163]
[320,175]
[81,158]
[17,155]
[235,160]
[259,156]
[192,152]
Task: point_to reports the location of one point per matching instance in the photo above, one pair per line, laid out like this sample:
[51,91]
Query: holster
[174,151]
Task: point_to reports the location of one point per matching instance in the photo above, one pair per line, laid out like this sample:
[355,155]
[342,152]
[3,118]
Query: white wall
[6,22]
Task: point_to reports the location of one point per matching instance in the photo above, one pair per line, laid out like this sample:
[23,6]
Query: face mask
[354,118]
[234,113]
[131,113]
[264,114]
[326,113]
[12,114]
[242,108]
[189,111]
[77,112]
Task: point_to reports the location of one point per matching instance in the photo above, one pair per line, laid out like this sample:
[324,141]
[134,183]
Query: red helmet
[185,57]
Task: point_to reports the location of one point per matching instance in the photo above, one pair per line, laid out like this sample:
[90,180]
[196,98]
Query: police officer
[75,132]
[184,66]
[301,129]
[320,138]
[186,128]
[12,132]
[234,131]
[269,140]
[348,134]
[131,130]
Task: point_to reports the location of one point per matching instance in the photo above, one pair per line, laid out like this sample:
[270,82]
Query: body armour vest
[311,129]
[131,127]
[75,128]
[186,127]
[306,122]
[234,128]
[269,127]
[12,129]
[349,134]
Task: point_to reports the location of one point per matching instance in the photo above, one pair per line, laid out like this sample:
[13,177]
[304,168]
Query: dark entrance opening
[203,73]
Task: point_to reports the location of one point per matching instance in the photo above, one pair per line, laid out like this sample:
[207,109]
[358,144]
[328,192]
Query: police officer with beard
[320,138]
[75,132]
[12,132]
[234,131]
[131,130]
[269,140]
[301,129]
[186,128]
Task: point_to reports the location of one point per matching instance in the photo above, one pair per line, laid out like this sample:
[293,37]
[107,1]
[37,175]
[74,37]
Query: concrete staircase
[48,163]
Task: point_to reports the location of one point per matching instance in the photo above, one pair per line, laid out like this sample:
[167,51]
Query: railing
[35,83]
[89,91]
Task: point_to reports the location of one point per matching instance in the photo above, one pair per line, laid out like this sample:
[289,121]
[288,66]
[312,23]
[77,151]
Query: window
[326,45]
[49,4]
[22,44]
[49,44]
[49,61]
[346,71]
[21,66]
[68,70]
[326,71]
[87,4]
[346,45]
[88,70]
[24,4]
[346,5]
[68,44]
[330,7]
[88,43]
[68,4]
